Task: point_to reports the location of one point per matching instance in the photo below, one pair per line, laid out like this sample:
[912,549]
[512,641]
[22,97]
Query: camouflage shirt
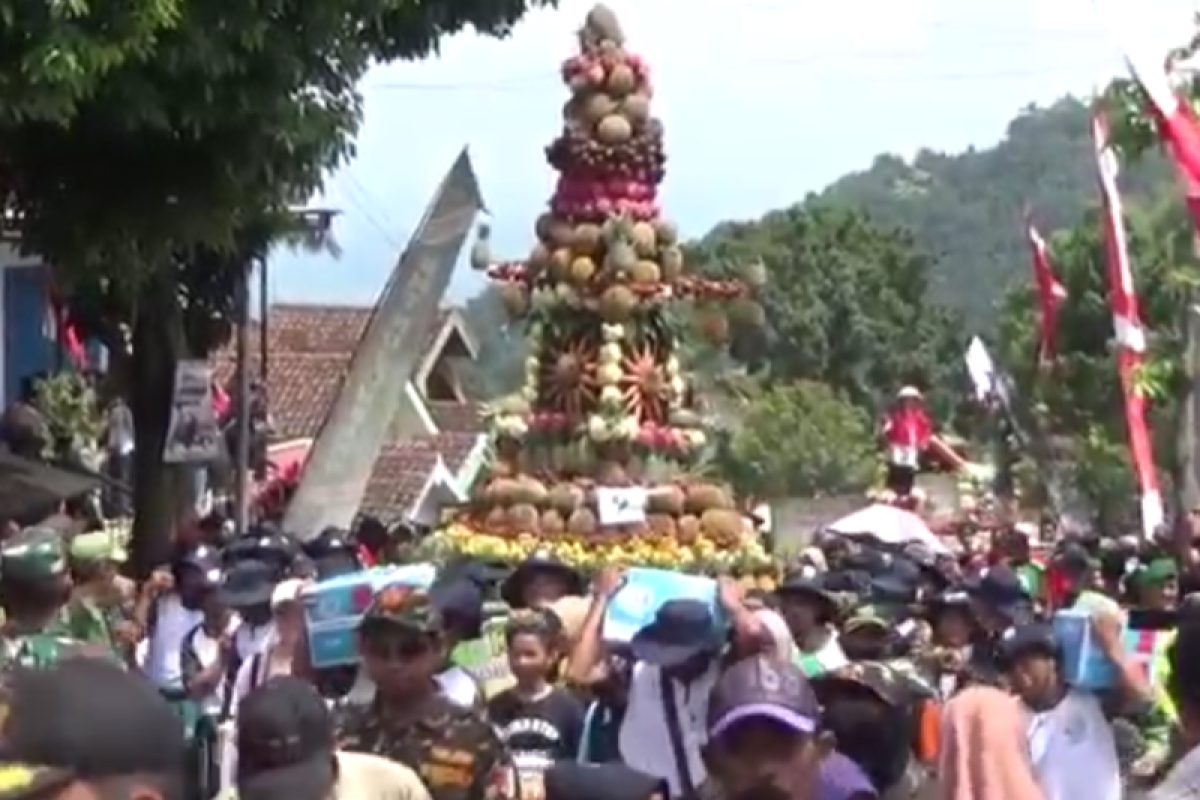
[39,650]
[454,749]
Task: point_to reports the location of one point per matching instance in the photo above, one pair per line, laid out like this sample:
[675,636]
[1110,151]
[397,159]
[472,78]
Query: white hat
[909,393]
[286,592]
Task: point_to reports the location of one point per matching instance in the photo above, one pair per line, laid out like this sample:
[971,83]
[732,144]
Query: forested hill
[965,210]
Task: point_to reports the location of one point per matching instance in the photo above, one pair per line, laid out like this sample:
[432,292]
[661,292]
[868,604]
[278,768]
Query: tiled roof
[310,350]
[402,469]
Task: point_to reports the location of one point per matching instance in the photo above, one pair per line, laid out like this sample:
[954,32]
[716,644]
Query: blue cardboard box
[644,592]
[333,608]
[1084,665]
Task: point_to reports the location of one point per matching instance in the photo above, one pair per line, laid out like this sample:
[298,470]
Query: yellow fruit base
[700,556]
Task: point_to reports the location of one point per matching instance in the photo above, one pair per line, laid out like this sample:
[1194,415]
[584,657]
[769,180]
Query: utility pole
[312,222]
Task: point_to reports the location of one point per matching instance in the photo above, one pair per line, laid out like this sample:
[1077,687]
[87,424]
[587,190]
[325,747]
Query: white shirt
[250,639]
[643,740]
[172,622]
[457,684]
[1073,751]
[208,650]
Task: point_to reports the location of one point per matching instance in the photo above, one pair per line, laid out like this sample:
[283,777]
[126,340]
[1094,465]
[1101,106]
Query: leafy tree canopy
[800,440]
[1077,399]
[847,304]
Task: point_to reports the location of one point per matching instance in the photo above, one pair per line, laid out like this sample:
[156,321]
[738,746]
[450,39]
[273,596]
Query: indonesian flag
[222,403]
[1051,293]
[1127,327]
[1178,126]
[57,327]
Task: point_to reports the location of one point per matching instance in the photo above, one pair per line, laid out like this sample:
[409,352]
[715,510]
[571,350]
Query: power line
[363,203]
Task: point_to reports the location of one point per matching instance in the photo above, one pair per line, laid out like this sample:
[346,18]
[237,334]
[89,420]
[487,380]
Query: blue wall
[27,349]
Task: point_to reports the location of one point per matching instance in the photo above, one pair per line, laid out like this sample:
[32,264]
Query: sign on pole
[193,436]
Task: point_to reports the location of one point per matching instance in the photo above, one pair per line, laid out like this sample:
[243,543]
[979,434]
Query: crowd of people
[871,671]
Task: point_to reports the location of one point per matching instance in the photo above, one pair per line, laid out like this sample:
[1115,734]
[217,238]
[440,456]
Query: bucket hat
[681,630]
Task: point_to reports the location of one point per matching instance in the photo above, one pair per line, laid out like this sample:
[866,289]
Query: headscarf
[985,754]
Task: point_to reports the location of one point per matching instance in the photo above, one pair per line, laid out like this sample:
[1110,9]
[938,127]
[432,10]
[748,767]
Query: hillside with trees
[965,210]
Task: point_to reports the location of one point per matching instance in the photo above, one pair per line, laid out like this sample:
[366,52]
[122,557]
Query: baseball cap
[764,688]
[399,607]
[83,719]
[285,742]
[1037,637]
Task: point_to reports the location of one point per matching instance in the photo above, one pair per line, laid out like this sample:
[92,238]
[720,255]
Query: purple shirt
[841,778]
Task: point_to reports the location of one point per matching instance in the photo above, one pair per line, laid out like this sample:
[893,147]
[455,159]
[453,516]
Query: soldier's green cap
[869,616]
[98,546]
[403,607]
[34,553]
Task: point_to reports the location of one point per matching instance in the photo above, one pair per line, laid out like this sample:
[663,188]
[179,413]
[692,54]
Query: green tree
[846,304]
[150,150]
[1078,398]
[800,440]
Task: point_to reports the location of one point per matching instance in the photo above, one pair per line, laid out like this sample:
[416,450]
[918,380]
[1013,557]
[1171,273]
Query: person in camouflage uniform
[98,611]
[454,749]
[34,586]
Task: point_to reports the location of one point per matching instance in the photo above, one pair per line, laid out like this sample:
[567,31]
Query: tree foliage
[800,440]
[965,209]
[151,149]
[1078,398]
[847,304]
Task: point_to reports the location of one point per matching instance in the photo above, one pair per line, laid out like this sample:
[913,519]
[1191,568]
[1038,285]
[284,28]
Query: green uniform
[35,555]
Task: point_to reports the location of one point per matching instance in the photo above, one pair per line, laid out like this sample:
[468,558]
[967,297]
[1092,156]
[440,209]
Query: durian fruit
[529,490]
[502,491]
[565,498]
[524,518]
[701,497]
[670,260]
[617,304]
[645,243]
[552,523]
[665,500]
[689,528]
[496,521]
[662,525]
[645,273]
[587,240]
[582,523]
[665,232]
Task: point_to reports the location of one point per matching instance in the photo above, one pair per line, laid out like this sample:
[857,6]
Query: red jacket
[908,427]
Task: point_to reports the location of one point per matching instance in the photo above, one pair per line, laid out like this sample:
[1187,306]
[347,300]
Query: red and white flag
[1178,126]
[57,327]
[1128,331]
[1051,293]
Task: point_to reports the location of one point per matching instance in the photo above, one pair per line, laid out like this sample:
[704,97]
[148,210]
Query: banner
[335,475]
[193,436]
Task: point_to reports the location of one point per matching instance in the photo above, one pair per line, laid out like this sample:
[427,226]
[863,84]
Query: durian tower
[605,401]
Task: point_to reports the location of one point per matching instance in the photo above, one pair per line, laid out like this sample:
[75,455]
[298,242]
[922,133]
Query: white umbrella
[889,525]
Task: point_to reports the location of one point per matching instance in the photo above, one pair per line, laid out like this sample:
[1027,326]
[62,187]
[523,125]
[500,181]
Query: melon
[665,500]
[596,106]
[582,269]
[565,497]
[552,523]
[614,129]
[645,273]
[636,109]
[524,518]
[621,80]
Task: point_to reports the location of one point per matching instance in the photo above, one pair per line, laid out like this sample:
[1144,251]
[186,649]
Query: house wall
[26,350]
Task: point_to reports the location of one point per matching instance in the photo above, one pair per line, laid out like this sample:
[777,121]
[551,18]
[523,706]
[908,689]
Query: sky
[763,101]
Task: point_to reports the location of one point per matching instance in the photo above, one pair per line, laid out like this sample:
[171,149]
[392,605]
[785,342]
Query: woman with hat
[811,610]
[539,580]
